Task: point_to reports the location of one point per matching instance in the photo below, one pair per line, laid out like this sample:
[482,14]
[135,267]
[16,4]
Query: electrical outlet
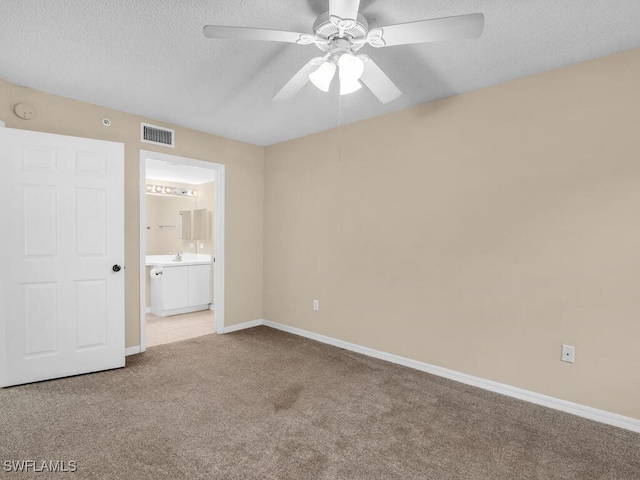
[316,305]
[568,353]
[191,245]
[201,245]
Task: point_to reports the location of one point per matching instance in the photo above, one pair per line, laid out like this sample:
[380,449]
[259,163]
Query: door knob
[116,268]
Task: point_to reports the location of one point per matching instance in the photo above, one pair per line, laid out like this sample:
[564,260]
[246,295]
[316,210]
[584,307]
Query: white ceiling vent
[157,135]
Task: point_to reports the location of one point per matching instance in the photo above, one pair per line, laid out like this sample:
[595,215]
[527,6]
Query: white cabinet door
[175,287]
[199,285]
[62,277]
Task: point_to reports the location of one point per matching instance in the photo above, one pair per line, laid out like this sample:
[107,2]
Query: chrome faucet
[178,257]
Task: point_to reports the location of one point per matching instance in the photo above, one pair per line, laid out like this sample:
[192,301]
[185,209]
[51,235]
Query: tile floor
[161,330]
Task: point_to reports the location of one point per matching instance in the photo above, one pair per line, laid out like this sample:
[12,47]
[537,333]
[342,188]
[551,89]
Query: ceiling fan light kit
[323,75]
[340,33]
[351,69]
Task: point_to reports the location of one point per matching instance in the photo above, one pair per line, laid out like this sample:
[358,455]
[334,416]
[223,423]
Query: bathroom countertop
[169,260]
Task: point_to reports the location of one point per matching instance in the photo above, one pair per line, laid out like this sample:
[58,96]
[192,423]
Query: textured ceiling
[150,57]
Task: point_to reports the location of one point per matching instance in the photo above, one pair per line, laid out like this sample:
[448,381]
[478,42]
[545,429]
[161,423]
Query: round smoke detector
[24,111]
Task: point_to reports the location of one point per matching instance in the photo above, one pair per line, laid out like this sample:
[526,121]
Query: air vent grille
[157,135]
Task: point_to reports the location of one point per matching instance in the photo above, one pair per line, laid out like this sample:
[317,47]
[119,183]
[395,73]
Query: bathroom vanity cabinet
[177,289]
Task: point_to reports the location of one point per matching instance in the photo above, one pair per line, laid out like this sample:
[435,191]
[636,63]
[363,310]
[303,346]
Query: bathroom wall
[163,210]
[244,165]
[162,221]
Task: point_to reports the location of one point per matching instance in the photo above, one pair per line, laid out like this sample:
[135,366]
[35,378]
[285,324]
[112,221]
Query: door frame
[218,249]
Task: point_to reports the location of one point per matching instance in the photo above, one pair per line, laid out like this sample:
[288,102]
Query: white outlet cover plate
[568,353]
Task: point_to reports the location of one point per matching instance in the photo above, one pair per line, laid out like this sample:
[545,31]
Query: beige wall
[244,166]
[477,233]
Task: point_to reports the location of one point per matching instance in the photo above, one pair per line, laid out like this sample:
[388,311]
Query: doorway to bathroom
[181,248]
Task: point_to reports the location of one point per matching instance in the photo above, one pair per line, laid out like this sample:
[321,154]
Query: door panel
[90,163]
[39,213]
[40,302]
[91,313]
[91,218]
[61,304]
[39,158]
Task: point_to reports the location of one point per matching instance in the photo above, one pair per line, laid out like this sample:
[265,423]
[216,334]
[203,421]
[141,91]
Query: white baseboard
[147,310]
[131,350]
[591,413]
[242,326]
[212,307]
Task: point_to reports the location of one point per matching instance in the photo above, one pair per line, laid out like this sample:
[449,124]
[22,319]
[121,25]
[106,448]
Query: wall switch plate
[191,245]
[316,305]
[201,245]
[568,353]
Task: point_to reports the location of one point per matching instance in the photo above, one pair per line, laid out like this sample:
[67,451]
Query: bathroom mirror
[184,225]
[201,224]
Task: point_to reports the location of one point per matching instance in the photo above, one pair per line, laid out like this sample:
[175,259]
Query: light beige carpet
[262,404]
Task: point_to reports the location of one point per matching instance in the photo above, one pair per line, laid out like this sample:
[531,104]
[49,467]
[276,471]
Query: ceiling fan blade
[242,33]
[344,9]
[434,30]
[298,81]
[378,82]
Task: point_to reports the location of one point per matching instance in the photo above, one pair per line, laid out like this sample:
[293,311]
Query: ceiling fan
[340,33]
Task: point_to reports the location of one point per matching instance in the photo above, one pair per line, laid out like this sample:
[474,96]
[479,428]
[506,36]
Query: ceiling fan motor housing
[325,28]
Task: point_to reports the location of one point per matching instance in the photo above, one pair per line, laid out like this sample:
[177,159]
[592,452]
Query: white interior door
[62,277]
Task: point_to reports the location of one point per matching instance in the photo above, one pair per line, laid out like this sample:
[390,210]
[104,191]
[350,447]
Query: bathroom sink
[187,259]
